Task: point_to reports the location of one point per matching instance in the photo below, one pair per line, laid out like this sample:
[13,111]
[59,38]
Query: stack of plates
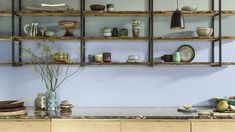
[48,7]
[11,108]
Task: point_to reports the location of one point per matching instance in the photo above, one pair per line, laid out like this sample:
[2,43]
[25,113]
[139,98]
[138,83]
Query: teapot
[31,29]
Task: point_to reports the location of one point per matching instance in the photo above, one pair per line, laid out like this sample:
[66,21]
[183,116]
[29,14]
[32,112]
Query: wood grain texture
[187,13]
[219,126]
[185,38]
[115,38]
[47,13]
[116,13]
[46,38]
[25,126]
[74,125]
[5,13]
[118,63]
[176,126]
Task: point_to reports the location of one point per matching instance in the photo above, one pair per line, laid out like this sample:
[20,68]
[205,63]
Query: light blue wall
[126,86]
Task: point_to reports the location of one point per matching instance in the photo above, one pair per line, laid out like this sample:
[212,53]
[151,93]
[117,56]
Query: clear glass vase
[51,101]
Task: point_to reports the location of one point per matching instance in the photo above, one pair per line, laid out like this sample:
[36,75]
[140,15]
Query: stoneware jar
[176,57]
[98,58]
[123,32]
[107,32]
[107,57]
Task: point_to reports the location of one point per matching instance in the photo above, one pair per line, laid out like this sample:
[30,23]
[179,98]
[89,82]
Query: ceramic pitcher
[31,29]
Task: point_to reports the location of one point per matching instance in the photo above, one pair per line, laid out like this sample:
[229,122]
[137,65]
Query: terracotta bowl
[8,105]
[97,7]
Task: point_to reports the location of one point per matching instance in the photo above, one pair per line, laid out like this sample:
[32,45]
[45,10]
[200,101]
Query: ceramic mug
[98,58]
[110,7]
[176,57]
[91,58]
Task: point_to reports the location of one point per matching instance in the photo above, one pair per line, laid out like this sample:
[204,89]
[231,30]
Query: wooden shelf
[194,63]
[228,13]
[228,38]
[47,13]
[184,63]
[5,38]
[186,13]
[47,38]
[5,13]
[118,63]
[30,63]
[5,63]
[116,38]
[185,38]
[116,13]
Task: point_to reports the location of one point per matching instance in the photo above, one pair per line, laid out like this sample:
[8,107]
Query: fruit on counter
[232,108]
[188,106]
[222,106]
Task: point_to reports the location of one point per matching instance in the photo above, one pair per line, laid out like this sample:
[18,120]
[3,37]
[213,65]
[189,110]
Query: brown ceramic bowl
[9,105]
[97,7]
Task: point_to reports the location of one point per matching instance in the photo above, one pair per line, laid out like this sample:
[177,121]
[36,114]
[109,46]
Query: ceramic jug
[31,29]
[40,101]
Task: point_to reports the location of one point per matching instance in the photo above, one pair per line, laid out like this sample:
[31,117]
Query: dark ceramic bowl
[97,7]
[9,105]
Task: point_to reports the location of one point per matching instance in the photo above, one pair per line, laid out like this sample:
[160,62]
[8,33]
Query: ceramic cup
[176,57]
[167,58]
[115,32]
[98,58]
[91,58]
[110,7]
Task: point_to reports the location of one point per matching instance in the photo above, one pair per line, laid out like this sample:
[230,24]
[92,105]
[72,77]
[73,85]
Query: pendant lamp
[177,20]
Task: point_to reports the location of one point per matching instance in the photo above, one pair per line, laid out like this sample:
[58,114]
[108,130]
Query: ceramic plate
[187,53]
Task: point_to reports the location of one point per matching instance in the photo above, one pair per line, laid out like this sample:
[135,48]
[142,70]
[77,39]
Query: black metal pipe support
[151,26]
[13,32]
[220,33]
[82,33]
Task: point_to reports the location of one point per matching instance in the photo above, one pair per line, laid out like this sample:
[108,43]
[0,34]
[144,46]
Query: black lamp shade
[177,20]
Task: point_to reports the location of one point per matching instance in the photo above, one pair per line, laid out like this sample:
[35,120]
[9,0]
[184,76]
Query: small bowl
[189,8]
[188,106]
[97,7]
[204,31]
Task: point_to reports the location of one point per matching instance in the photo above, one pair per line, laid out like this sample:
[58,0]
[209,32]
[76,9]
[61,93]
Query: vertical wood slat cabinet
[158,126]
[25,125]
[73,125]
[213,126]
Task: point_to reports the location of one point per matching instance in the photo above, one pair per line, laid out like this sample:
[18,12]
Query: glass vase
[51,101]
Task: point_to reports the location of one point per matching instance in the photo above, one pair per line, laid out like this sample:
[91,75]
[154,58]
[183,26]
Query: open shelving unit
[150,38]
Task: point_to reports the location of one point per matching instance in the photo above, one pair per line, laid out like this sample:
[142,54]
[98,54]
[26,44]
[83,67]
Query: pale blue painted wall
[126,86]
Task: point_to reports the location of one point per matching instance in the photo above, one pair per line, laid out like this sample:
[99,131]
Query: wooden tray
[7,104]
[12,109]
[15,113]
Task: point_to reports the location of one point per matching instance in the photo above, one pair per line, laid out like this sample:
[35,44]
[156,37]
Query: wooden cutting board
[15,113]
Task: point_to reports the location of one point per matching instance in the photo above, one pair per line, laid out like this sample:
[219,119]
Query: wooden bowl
[8,104]
[67,24]
[97,7]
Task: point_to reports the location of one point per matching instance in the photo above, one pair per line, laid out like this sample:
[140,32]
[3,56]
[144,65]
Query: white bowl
[204,31]
[189,8]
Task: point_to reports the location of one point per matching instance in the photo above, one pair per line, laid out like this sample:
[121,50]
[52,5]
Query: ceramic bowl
[97,7]
[133,57]
[189,8]
[204,31]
